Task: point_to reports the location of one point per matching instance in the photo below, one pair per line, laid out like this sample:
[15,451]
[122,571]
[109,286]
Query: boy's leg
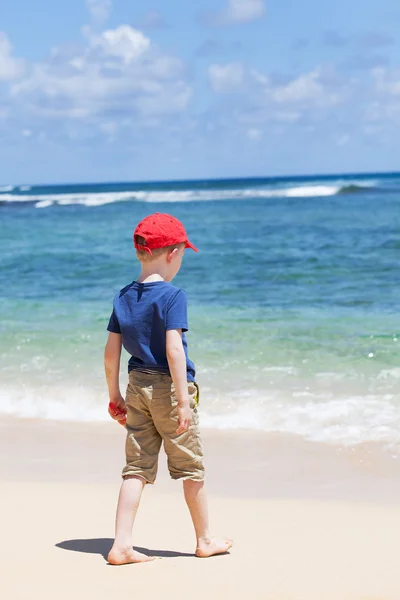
[196,500]
[185,461]
[128,503]
[142,447]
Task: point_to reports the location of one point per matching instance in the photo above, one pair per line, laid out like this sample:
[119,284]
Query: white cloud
[237,11]
[117,81]
[99,10]
[124,42]
[10,68]
[308,88]
[278,103]
[117,74]
[226,78]
[313,89]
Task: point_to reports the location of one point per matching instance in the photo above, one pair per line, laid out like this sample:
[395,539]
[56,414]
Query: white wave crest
[44,204]
[346,420]
[57,403]
[91,199]
[99,199]
[309,191]
[6,188]
[341,420]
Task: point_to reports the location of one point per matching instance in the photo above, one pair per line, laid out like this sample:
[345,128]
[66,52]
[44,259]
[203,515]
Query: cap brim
[190,245]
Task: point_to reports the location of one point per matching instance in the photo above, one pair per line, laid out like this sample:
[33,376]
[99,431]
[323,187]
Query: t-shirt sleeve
[113,324]
[176,317]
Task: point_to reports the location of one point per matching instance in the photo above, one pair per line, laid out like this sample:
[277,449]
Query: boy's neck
[153,272]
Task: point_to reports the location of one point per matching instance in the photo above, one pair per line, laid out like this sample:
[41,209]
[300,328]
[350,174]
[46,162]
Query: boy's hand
[117,410]
[185,417]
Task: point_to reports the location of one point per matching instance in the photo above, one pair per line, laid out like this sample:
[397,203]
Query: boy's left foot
[212,547]
[118,556]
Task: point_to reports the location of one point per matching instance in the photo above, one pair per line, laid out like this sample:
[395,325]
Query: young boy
[149,319]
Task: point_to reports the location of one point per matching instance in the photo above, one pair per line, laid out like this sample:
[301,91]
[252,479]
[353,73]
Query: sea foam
[344,420]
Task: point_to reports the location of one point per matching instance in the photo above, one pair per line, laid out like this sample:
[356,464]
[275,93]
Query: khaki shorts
[152,418]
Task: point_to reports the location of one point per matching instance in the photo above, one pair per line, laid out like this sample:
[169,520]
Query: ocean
[294,299]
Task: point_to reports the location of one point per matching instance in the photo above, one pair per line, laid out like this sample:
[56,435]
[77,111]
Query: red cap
[159,231]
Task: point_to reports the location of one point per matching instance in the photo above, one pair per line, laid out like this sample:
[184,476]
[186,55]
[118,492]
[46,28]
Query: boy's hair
[146,257]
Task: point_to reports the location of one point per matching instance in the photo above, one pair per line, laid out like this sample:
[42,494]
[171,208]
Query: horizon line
[211,179]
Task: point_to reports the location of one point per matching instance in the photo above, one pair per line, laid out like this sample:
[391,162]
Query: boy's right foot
[212,546]
[118,556]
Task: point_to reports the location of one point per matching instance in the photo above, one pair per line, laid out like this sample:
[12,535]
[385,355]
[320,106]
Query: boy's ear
[171,254]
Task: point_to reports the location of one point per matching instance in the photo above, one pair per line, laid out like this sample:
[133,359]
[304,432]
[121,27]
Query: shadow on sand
[102,546]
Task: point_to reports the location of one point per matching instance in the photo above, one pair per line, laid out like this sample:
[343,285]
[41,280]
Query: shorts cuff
[147,480]
[192,476]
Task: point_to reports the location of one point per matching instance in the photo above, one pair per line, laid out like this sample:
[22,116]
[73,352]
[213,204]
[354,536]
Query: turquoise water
[293,299]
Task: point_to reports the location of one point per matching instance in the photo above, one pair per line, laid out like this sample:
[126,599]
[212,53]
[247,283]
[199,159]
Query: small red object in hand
[118,413]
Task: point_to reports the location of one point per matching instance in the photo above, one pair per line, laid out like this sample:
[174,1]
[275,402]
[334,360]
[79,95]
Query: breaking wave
[346,420]
[91,199]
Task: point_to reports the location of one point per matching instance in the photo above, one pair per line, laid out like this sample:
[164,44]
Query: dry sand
[309,522]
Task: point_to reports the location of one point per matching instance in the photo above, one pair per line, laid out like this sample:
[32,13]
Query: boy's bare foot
[212,546]
[118,556]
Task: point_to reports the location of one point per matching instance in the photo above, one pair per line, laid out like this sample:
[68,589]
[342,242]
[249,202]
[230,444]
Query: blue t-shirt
[142,314]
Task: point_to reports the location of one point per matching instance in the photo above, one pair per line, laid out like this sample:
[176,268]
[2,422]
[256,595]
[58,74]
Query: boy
[149,318]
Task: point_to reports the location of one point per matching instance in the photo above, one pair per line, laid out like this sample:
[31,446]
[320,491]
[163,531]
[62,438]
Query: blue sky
[100,90]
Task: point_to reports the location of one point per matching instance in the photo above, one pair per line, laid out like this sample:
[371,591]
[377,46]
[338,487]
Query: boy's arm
[112,359]
[177,366]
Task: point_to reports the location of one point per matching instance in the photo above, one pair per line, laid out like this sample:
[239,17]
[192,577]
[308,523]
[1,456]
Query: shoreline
[268,465]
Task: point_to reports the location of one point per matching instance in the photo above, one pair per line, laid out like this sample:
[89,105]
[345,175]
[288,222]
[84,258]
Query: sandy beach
[310,522]
[207,190]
